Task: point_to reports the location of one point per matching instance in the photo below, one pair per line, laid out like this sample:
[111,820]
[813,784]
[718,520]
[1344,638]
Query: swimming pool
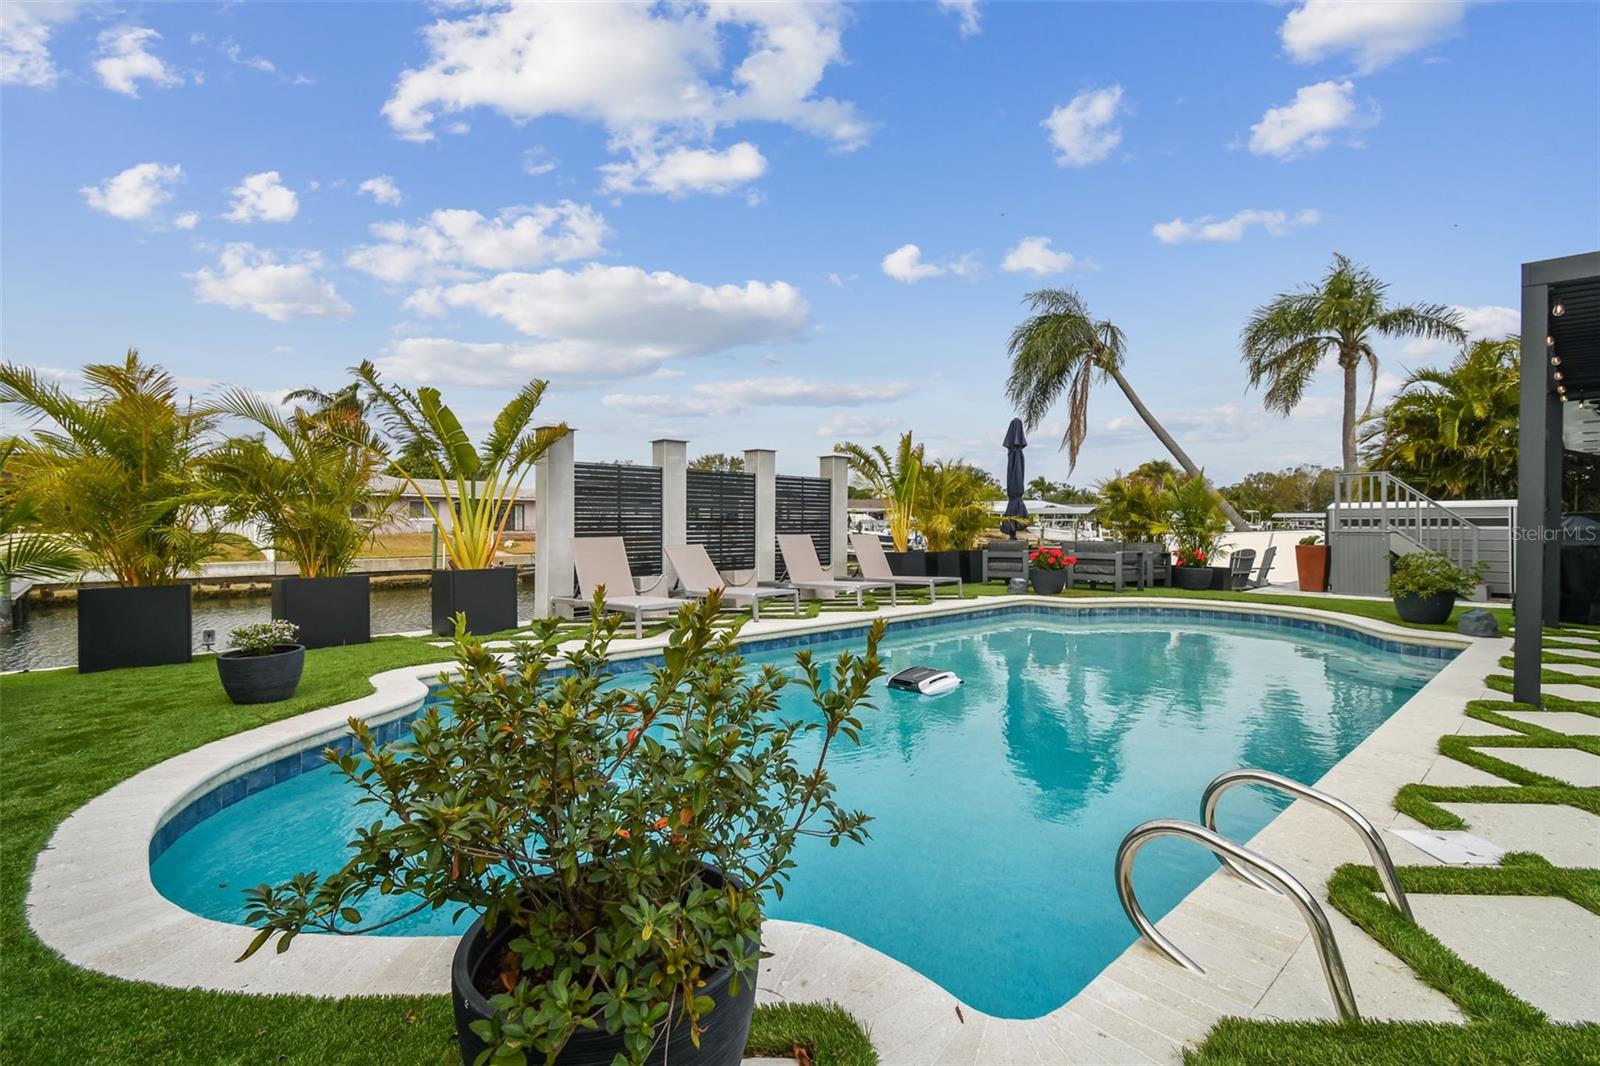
[998,808]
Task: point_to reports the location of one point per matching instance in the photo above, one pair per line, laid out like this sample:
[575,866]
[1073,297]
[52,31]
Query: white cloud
[1205,228]
[236,54]
[187,220]
[125,61]
[535,162]
[450,244]
[382,189]
[136,193]
[25,31]
[652,75]
[905,264]
[596,324]
[967,16]
[263,198]
[685,170]
[1224,422]
[1084,130]
[1374,33]
[250,279]
[1490,321]
[851,426]
[731,397]
[1035,256]
[1308,123]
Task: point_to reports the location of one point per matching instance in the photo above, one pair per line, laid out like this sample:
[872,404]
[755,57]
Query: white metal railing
[1379,502]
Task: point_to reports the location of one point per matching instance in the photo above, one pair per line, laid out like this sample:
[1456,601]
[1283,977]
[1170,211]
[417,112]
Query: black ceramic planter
[262,678]
[724,1029]
[1220,577]
[969,566]
[1047,582]
[146,626]
[1425,610]
[1193,578]
[908,564]
[327,611]
[487,597]
[942,564]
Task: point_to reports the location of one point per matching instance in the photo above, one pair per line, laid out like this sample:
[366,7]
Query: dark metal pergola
[1560,389]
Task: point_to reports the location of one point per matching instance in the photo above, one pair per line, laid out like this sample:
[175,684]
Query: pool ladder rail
[1262,872]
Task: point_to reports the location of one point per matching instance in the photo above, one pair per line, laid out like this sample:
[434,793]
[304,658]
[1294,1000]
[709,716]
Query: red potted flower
[1047,569]
[1189,569]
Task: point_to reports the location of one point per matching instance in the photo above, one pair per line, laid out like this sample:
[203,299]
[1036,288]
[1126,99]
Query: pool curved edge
[91,898]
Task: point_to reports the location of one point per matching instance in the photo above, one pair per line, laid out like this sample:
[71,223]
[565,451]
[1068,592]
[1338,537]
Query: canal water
[50,635]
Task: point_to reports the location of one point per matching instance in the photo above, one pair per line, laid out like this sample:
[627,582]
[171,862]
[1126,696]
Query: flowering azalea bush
[1189,557]
[1050,559]
[585,815]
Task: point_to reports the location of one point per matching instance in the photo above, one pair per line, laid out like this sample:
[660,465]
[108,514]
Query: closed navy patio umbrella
[1016,478]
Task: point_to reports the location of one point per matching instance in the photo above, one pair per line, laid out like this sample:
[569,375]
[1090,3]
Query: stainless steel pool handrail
[1358,821]
[1344,999]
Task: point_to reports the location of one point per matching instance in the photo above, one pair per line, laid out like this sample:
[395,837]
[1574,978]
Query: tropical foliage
[718,461]
[25,551]
[1287,339]
[311,489]
[1042,488]
[1306,487]
[1430,573]
[1133,508]
[952,509]
[583,815]
[1061,350]
[1194,521]
[892,479]
[478,484]
[117,473]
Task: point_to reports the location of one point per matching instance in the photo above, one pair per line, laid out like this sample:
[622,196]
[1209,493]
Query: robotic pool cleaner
[925,680]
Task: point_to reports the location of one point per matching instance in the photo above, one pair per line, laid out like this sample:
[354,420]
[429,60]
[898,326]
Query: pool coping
[92,900]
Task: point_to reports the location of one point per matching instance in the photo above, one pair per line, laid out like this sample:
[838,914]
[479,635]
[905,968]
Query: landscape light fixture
[208,637]
[1558,310]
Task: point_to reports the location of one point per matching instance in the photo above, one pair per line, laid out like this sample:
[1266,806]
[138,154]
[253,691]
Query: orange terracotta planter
[1311,562]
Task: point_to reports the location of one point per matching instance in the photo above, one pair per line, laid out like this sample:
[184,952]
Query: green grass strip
[1240,1042]
[825,1030]
[1552,702]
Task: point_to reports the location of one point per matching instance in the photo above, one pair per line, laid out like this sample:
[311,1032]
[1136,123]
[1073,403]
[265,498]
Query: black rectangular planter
[146,626]
[908,564]
[487,597]
[329,611]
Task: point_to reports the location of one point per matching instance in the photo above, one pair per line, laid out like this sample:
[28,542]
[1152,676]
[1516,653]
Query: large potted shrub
[892,479]
[1190,569]
[1048,568]
[620,844]
[952,512]
[308,482]
[263,662]
[1196,523]
[476,487]
[1425,585]
[1311,563]
[116,474]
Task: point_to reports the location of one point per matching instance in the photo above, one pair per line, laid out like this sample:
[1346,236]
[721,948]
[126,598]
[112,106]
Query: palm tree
[117,473]
[25,552]
[892,479]
[1453,432]
[312,491]
[1286,340]
[1062,349]
[953,504]
[478,484]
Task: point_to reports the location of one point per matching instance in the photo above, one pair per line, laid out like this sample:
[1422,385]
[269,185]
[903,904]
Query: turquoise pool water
[998,808]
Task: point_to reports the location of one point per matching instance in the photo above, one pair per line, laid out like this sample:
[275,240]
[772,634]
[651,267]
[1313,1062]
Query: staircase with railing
[1375,516]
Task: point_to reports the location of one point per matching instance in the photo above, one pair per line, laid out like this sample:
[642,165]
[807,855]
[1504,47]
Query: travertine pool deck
[91,898]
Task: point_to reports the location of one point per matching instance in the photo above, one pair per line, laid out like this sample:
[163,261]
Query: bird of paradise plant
[478,484]
[893,479]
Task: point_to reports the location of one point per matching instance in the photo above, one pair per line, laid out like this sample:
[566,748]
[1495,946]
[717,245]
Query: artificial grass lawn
[65,738]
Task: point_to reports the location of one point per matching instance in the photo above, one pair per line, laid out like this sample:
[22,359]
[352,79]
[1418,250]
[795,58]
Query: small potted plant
[263,664]
[1311,563]
[1047,569]
[1189,569]
[620,844]
[1425,586]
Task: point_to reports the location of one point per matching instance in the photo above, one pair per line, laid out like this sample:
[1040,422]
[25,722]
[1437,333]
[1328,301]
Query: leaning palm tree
[893,479]
[1286,340]
[1062,349]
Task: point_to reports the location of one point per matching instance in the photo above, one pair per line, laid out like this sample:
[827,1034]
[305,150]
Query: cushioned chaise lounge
[602,563]
[698,576]
[807,575]
[875,567]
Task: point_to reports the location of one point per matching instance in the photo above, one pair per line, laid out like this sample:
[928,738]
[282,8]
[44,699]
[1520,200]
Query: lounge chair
[1260,580]
[698,576]
[602,563]
[875,567]
[807,575]
[1240,563]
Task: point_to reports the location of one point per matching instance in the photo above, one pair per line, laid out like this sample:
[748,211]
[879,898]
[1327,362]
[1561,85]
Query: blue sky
[693,219]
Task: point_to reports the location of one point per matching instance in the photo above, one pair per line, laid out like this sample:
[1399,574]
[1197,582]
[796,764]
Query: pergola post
[672,456]
[554,514]
[1534,417]
[763,463]
[837,470]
